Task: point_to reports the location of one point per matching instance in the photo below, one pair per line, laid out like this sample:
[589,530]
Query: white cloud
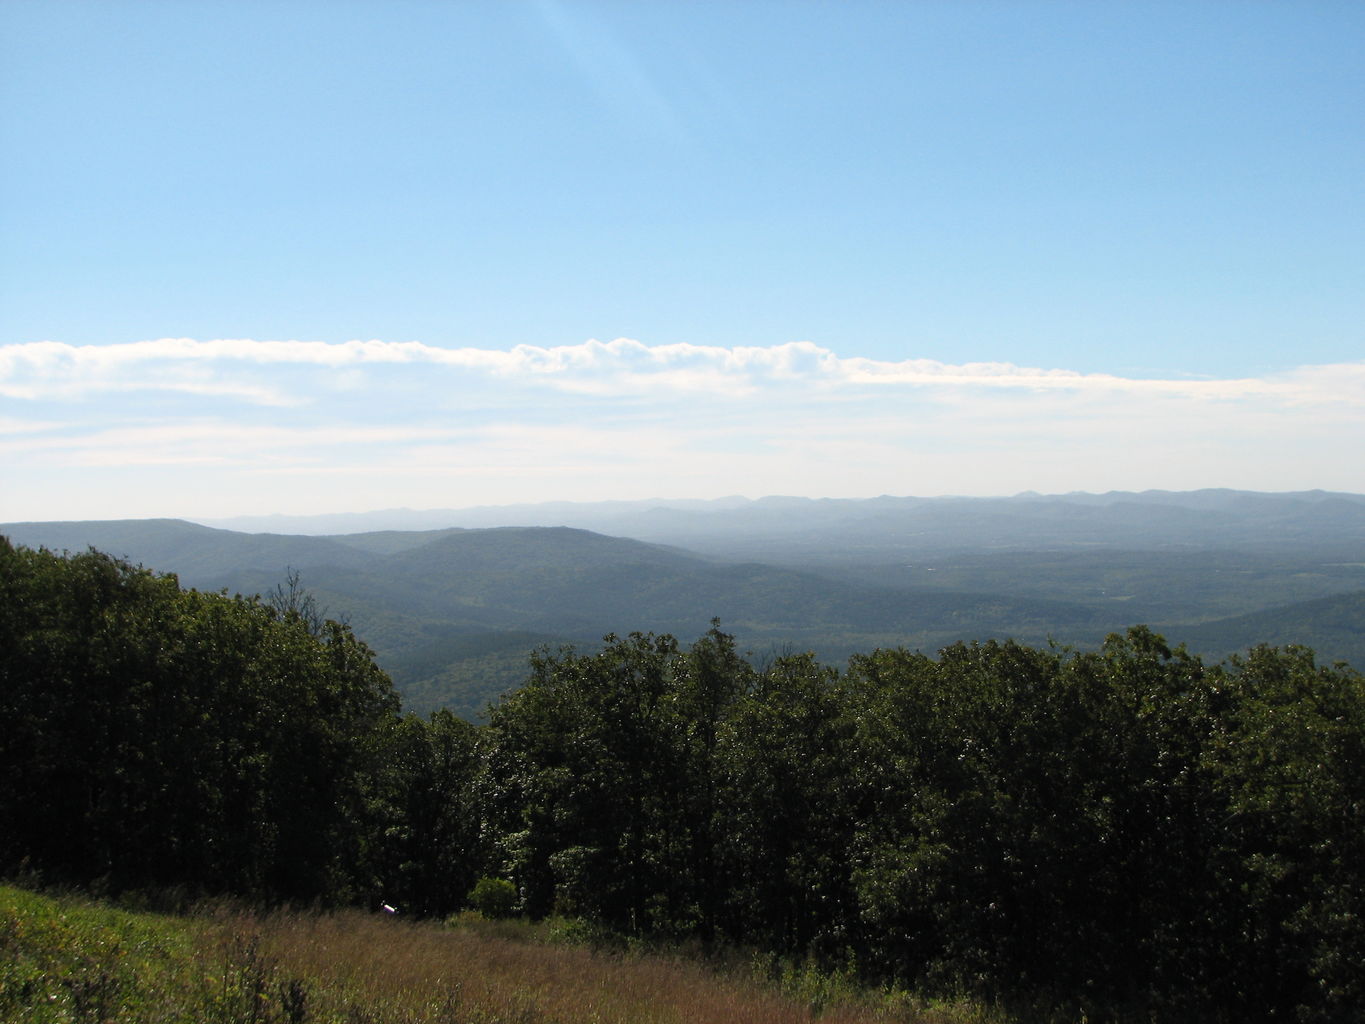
[259,426]
[623,367]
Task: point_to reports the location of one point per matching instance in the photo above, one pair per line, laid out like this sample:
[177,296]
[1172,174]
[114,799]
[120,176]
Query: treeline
[1125,831]
[154,736]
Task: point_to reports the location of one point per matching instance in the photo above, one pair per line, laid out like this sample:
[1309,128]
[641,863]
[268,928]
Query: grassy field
[67,961]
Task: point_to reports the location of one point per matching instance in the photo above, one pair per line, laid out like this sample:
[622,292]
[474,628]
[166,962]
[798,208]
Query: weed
[62,962]
[294,1001]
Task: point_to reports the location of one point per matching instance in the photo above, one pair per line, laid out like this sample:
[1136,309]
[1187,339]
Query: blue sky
[612,250]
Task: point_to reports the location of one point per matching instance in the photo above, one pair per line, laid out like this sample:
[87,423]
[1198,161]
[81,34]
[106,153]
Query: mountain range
[453,608]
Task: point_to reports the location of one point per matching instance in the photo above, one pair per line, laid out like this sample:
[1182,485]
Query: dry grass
[65,961]
[393,970]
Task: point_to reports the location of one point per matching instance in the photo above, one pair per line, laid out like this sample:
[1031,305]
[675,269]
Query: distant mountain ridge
[453,610]
[198,554]
[558,579]
[792,529]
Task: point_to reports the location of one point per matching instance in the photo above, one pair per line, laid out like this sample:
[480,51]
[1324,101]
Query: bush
[493,897]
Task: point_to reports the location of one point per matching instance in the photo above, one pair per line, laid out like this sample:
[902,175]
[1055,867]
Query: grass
[62,962]
[65,961]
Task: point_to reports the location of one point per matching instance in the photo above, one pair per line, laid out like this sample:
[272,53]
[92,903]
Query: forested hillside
[1126,831]
[441,607]
[453,612]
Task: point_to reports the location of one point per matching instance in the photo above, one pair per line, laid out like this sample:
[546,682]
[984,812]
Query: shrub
[493,897]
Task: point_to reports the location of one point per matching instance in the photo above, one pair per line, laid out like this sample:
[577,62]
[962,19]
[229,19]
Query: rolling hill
[1333,626]
[452,611]
[431,602]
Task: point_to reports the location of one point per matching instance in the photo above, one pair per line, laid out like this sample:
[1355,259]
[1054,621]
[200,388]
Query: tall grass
[64,961]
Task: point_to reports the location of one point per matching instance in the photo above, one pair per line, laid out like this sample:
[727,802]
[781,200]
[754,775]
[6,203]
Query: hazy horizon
[596,515]
[294,258]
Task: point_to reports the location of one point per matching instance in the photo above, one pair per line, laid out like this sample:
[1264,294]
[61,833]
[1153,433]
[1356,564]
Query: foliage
[453,614]
[430,845]
[493,897]
[1125,832]
[64,961]
[156,736]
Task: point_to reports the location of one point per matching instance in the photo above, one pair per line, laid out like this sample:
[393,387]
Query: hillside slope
[419,599]
[1333,626]
[454,611]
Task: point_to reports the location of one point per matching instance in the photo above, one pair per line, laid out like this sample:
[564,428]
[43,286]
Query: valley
[454,610]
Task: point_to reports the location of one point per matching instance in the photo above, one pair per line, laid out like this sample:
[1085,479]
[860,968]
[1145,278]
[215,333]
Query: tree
[163,736]
[430,846]
[1289,762]
[789,788]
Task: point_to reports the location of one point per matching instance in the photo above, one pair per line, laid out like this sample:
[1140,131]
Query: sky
[303,257]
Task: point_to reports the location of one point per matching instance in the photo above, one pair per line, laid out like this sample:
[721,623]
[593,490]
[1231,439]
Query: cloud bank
[179,426]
